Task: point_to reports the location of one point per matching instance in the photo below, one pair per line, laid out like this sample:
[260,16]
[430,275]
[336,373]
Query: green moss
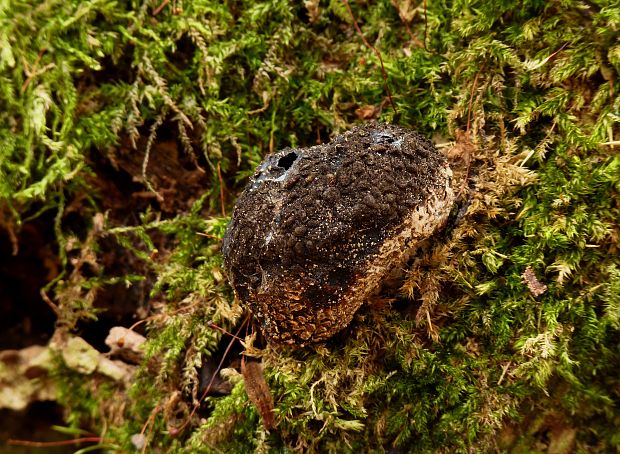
[526,93]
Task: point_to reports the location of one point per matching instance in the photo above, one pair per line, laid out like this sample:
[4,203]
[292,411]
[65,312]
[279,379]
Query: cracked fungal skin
[317,229]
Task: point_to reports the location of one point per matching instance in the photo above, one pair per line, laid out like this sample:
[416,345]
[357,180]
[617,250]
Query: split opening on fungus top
[287,160]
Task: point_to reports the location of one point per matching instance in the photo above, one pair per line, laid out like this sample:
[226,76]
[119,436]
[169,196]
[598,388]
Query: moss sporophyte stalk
[128,132]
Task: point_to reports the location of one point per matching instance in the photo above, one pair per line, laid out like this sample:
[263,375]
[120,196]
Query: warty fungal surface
[317,229]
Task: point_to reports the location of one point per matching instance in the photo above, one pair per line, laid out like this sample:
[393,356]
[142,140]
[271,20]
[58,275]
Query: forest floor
[127,130]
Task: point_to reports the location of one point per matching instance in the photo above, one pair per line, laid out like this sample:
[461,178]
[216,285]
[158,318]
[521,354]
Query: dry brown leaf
[258,390]
[312,6]
[367,112]
[406,9]
[533,284]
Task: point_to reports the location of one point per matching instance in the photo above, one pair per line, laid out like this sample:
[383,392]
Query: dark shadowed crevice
[287,161]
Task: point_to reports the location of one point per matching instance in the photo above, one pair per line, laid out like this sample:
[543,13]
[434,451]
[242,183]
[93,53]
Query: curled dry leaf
[258,390]
[312,6]
[406,9]
[533,284]
[367,112]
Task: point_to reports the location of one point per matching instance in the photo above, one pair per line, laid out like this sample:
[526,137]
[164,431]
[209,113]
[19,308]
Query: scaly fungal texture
[317,228]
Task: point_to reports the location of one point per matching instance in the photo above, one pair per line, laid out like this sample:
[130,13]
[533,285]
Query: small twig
[13,238]
[504,370]
[471,97]
[611,143]
[147,153]
[211,324]
[425,26]
[468,168]
[157,10]
[266,103]
[161,315]
[49,302]
[219,366]
[428,319]
[138,323]
[219,176]
[467,131]
[49,444]
[413,38]
[149,421]
[208,235]
[32,70]
[557,51]
[374,49]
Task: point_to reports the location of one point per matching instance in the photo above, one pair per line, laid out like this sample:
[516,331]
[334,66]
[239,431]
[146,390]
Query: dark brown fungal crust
[317,228]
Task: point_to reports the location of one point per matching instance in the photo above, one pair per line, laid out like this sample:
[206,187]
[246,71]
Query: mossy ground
[129,127]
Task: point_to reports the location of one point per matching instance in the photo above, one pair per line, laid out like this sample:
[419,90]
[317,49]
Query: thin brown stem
[162,315]
[471,97]
[149,422]
[157,10]
[49,302]
[217,370]
[50,444]
[33,70]
[219,176]
[425,26]
[374,49]
[210,324]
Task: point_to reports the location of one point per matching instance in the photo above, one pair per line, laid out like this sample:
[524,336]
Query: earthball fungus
[317,229]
